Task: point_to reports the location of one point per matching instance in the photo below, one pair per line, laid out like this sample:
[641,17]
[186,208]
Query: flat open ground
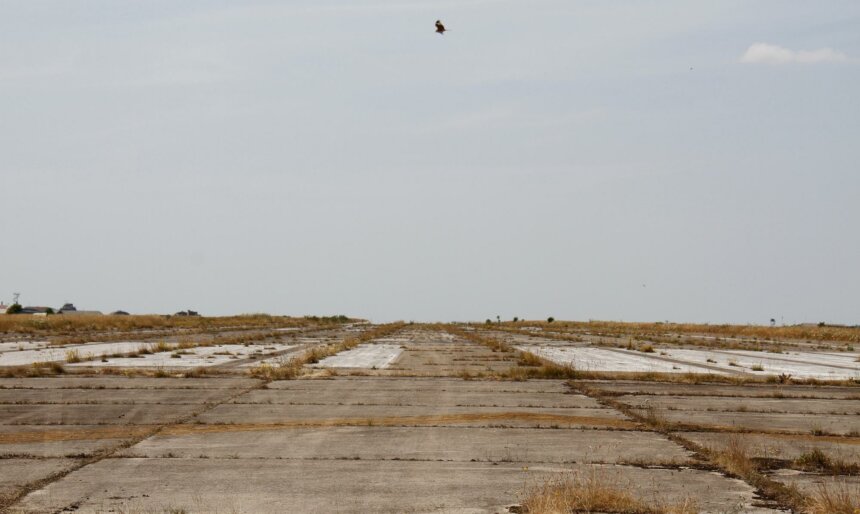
[424,419]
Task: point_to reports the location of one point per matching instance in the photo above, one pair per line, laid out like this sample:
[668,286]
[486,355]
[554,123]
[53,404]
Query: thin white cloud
[764,53]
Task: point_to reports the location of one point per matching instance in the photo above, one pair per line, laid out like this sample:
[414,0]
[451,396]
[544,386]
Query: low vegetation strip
[36,369]
[88,434]
[817,461]
[498,418]
[69,325]
[837,498]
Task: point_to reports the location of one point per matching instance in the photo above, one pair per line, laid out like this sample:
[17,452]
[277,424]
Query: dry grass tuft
[656,419]
[546,371]
[162,346]
[284,369]
[818,461]
[73,356]
[735,458]
[529,359]
[196,372]
[36,369]
[834,499]
[592,492]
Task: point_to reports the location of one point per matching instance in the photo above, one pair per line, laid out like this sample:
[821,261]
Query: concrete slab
[772,364]
[120,382]
[371,355]
[602,359]
[747,390]
[278,486]
[846,360]
[123,414]
[16,473]
[16,346]
[799,423]
[38,435]
[788,447]
[279,359]
[56,449]
[409,416]
[428,397]
[386,384]
[719,403]
[201,356]
[417,443]
[59,353]
[448,358]
[811,484]
[109,396]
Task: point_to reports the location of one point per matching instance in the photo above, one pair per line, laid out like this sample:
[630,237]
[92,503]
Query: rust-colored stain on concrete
[71,434]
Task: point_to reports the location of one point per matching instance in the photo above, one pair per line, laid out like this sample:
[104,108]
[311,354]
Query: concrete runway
[426,442]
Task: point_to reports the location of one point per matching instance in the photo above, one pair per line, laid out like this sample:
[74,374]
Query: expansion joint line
[777,494]
[6,503]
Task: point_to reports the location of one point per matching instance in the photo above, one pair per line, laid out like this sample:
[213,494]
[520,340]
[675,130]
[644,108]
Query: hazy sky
[544,157]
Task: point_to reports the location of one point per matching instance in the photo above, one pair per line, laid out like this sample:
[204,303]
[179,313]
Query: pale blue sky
[545,157]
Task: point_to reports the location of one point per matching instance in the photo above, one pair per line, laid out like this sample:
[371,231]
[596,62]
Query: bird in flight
[440,29]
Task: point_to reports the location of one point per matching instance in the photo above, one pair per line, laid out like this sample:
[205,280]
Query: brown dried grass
[36,369]
[495,418]
[70,325]
[836,498]
[735,458]
[592,492]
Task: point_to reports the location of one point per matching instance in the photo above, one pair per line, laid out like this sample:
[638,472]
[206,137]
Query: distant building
[68,307]
[3,308]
